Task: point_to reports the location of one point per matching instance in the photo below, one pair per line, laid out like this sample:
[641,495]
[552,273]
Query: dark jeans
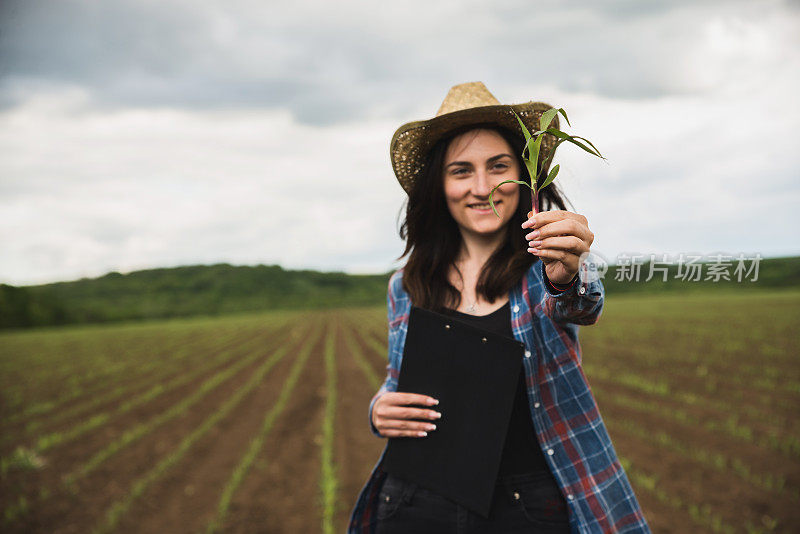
[530,503]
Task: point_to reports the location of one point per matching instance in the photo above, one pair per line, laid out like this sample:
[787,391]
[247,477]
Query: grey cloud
[329,70]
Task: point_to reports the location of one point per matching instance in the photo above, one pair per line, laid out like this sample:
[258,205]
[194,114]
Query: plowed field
[258,423]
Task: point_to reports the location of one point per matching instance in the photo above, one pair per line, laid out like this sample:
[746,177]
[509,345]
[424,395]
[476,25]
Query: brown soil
[281,492]
[136,385]
[65,511]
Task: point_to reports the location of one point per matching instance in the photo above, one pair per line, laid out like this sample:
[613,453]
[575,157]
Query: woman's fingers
[558,237]
[530,222]
[403,412]
[392,427]
[568,243]
[394,418]
[390,433]
[546,217]
[567,259]
[407,426]
[561,227]
[558,222]
[398,397]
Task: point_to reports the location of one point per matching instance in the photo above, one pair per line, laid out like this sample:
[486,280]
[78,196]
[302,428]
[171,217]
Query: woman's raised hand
[393,417]
[560,238]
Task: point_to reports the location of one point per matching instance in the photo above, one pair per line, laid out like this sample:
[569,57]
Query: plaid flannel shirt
[568,425]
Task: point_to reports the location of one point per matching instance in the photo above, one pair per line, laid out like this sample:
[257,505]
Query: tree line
[223,288]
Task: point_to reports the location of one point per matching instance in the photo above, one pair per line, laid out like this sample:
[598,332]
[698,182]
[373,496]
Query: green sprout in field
[531,155]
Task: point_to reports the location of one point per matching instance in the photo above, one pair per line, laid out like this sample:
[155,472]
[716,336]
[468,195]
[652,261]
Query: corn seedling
[536,161]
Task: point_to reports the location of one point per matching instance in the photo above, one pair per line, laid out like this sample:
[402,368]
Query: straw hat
[466,103]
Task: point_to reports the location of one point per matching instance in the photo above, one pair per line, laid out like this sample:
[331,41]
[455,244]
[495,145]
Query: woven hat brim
[412,141]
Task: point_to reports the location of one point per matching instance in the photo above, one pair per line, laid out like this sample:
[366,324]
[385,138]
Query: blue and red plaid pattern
[568,424]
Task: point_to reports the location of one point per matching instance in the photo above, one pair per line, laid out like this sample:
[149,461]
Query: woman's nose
[481,185]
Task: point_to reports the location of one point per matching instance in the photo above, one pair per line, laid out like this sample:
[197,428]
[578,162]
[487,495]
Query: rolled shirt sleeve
[580,303]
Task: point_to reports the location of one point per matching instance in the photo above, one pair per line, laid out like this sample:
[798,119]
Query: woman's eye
[501,166]
[458,171]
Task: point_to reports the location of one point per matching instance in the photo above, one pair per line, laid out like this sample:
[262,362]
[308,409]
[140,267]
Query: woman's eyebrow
[490,160]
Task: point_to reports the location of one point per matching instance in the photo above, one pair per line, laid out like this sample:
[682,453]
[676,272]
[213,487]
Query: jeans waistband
[502,479]
[523,477]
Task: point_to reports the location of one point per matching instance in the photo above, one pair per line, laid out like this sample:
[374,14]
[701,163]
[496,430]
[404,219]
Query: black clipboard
[474,373]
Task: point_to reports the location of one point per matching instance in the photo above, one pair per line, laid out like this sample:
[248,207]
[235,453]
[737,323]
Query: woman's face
[474,163]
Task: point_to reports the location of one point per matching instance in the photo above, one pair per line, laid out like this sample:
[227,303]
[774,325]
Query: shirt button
[570,497]
[550,452]
[516,496]
[527,354]
[516,309]
[582,290]
[535,404]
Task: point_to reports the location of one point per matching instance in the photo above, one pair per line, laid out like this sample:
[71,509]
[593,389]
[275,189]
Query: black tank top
[521,452]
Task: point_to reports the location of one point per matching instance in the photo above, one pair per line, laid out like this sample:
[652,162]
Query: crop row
[118,509]
[775,483]
[73,379]
[256,444]
[141,430]
[70,360]
[673,376]
[94,383]
[329,480]
[167,376]
[789,445]
[701,513]
[93,422]
[372,377]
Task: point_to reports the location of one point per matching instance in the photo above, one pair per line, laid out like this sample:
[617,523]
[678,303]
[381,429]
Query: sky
[137,134]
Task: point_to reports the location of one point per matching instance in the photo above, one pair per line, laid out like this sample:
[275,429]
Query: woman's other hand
[562,238]
[393,417]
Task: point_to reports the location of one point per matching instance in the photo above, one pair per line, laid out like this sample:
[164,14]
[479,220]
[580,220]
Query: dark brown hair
[433,238]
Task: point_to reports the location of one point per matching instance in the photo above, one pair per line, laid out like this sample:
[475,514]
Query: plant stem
[535,201]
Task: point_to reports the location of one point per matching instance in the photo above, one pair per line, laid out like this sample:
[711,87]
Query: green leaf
[537,146]
[525,131]
[547,118]
[565,115]
[528,137]
[491,200]
[533,165]
[531,172]
[568,137]
[573,140]
[521,182]
[558,133]
[549,159]
[587,149]
[550,177]
[597,152]
[529,163]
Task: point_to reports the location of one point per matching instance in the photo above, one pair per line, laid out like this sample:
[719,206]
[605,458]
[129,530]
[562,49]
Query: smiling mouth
[483,207]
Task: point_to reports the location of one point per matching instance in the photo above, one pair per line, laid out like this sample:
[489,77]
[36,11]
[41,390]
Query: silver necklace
[471,309]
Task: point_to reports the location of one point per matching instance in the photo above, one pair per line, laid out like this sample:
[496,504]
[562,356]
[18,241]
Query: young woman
[518,275]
